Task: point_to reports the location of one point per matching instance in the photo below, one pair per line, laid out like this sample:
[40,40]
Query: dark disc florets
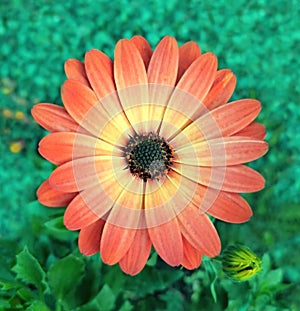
[148,156]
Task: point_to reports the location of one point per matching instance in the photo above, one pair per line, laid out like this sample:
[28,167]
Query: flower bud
[240,263]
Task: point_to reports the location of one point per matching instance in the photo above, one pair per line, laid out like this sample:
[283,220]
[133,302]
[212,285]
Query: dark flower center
[148,156]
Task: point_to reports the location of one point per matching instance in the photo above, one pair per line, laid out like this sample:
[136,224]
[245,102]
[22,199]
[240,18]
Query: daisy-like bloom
[147,146]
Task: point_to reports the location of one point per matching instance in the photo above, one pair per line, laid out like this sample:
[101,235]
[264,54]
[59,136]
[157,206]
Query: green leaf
[174,300]
[37,306]
[8,250]
[104,301]
[29,270]
[64,275]
[7,279]
[4,304]
[274,277]
[213,290]
[151,280]
[56,229]
[26,294]
[126,306]
[152,260]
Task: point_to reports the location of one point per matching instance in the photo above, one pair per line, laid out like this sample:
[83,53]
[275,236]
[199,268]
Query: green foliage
[105,300]
[64,276]
[29,270]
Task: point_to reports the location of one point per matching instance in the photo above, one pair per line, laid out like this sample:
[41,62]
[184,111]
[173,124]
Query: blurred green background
[259,41]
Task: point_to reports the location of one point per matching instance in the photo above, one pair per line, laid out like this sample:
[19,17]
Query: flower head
[240,263]
[147,147]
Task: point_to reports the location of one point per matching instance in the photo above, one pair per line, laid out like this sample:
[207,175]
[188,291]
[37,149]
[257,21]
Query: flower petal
[115,243]
[89,238]
[235,116]
[237,178]
[230,207]
[199,231]
[163,66]
[128,207]
[144,48]
[129,68]
[191,256]
[54,118]
[52,197]
[253,130]
[188,52]
[87,172]
[124,220]
[162,74]
[79,100]
[221,89]
[189,93]
[96,202]
[225,120]
[199,77]
[79,215]
[132,82]
[75,70]
[60,148]
[222,151]
[167,241]
[99,69]
[83,105]
[138,253]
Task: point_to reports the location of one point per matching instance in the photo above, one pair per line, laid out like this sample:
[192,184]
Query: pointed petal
[163,66]
[122,223]
[89,238]
[138,253]
[162,75]
[83,105]
[75,70]
[129,68]
[188,53]
[144,48]
[191,256]
[222,151]
[221,89]
[198,78]
[223,121]
[119,194]
[242,179]
[53,118]
[199,231]
[52,197]
[253,130]
[160,198]
[189,93]
[237,178]
[79,100]
[115,243]
[235,116]
[60,148]
[79,214]
[88,172]
[132,82]
[167,241]
[230,207]
[103,196]
[128,207]
[99,69]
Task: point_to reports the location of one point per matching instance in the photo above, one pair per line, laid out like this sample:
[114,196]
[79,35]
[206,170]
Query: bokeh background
[259,41]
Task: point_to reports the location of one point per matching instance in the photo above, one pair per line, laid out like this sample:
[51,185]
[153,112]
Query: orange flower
[147,147]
